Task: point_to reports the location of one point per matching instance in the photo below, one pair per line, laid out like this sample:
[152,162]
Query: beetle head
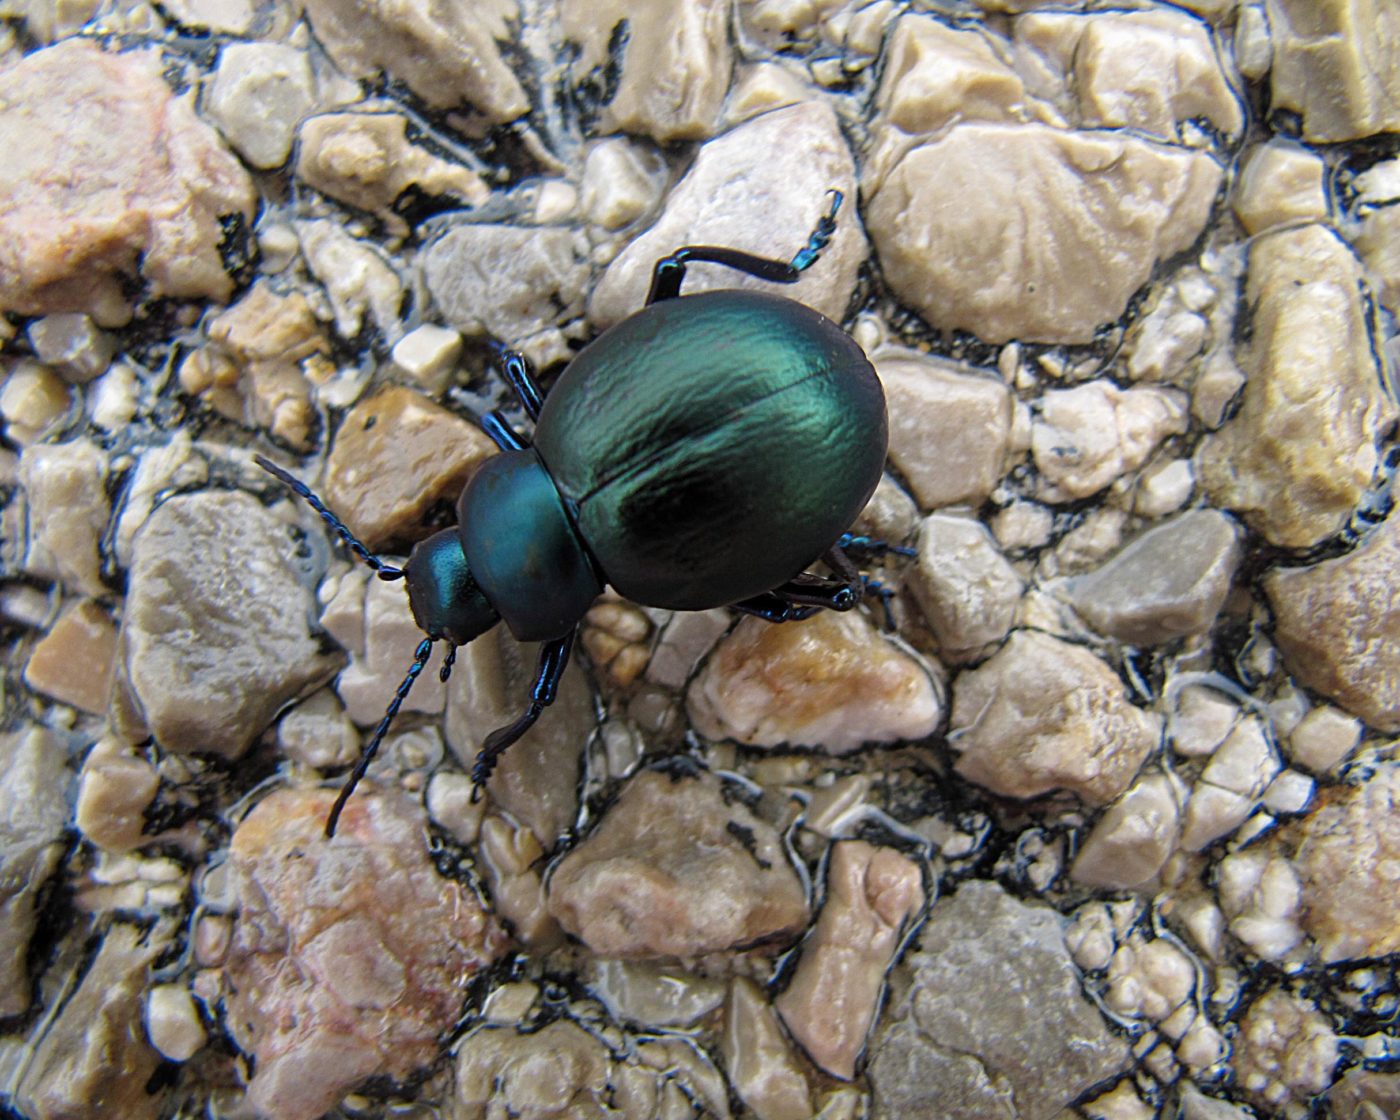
[446,600]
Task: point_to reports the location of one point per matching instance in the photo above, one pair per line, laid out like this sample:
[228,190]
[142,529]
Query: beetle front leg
[522,380]
[554,658]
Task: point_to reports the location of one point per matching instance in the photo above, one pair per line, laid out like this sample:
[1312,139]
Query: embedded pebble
[1337,625]
[1335,63]
[1347,858]
[789,158]
[562,1070]
[1170,581]
[622,180]
[829,681]
[1097,211]
[73,345]
[516,284]
[1323,740]
[653,994]
[950,429]
[759,1059]
[117,787]
[675,870]
[1086,437]
[254,369]
[1231,785]
[1132,840]
[1149,978]
[349,955]
[258,96]
[33,400]
[512,856]
[172,1022]
[85,126]
[92,1059]
[1304,286]
[395,456]
[428,354]
[33,815]
[1152,71]
[1042,714]
[447,55]
[1165,343]
[615,634]
[372,620]
[72,663]
[1261,895]
[1164,487]
[367,161]
[830,1003]
[207,570]
[364,291]
[1199,718]
[967,590]
[1285,1053]
[966,1036]
[65,485]
[319,733]
[1280,183]
[642,40]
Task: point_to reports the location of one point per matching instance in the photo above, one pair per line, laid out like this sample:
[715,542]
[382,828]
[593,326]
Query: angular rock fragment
[829,681]
[1297,457]
[109,176]
[674,869]
[1170,581]
[1096,211]
[1338,626]
[1042,715]
[447,54]
[349,956]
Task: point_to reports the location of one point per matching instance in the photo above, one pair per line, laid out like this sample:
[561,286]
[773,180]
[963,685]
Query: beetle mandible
[703,452]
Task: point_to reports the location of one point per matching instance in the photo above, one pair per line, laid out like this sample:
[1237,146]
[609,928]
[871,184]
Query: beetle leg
[669,272]
[772,607]
[504,436]
[519,377]
[554,658]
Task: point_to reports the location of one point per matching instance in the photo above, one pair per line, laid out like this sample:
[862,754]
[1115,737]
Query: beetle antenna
[382,570]
[420,659]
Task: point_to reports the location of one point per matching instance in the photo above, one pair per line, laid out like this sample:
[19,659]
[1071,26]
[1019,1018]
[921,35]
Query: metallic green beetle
[701,453]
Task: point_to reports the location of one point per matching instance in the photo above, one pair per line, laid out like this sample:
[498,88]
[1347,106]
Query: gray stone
[989,1019]
[33,815]
[968,590]
[518,283]
[1170,581]
[950,428]
[217,633]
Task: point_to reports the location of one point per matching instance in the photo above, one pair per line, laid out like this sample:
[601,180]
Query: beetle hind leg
[554,658]
[669,272]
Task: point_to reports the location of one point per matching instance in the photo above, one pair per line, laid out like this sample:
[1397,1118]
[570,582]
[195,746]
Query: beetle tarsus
[821,236]
[420,659]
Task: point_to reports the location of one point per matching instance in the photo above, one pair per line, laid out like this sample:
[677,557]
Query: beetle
[703,452]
